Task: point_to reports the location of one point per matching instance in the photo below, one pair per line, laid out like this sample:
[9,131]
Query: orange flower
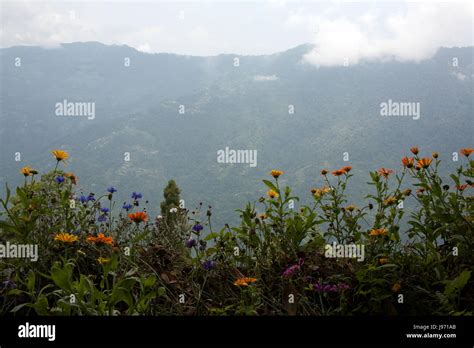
[385,172]
[272,194]
[383,260]
[60,155]
[244,281]
[276,173]
[466,152]
[408,162]
[347,169]
[139,216]
[461,187]
[314,190]
[414,150]
[396,287]
[420,190]
[66,237]
[378,232]
[435,155]
[424,162]
[100,239]
[71,177]
[338,172]
[26,171]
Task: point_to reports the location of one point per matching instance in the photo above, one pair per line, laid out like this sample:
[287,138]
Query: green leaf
[270,185]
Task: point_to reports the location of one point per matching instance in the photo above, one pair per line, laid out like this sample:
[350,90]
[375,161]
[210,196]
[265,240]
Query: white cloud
[414,35]
[265,78]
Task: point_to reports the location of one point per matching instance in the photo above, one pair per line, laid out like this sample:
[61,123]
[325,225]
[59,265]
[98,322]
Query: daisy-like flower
[424,162]
[396,287]
[244,281]
[100,239]
[276,173]
[272,194]
[60,155]
[351,207]
[466,151]
[414,150]
[66,238]
[384,172]
[139,216]
[71,177]
[408,162]
[28,171]
[347,169]
[390,201]
[262,216]
[338,172]
[103,260]
[378,232]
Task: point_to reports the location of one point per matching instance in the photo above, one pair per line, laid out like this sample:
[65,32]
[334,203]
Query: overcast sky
[339,29]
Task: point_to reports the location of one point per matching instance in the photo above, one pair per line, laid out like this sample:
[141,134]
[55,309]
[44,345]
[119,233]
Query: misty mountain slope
[337,110]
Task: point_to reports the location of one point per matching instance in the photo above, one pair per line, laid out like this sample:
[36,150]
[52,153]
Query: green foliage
[96,259]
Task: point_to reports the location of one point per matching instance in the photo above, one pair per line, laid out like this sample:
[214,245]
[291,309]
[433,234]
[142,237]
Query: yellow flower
[351,207]
[60,155]
[66,237]
[272,194]
[103,260]
[244,281]
[396,287]
[26,171]
[262,216]
[389,201]
[276,173]
[378,232]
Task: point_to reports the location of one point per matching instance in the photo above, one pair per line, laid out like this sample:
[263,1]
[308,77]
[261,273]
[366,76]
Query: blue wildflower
[127,207]
[83,199]
[136,195]
[104,210]
[111,189]
[91,197]
[197,228]
[102,218]
[60,179]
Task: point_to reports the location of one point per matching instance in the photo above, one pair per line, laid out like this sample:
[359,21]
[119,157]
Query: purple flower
[104,210]
[60,179]
[191,243]
[102,218]
[91,197]
[208,265]
[8,284]
[197,228]
[293,269]
[111,189]
[127,207]
[136,195]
